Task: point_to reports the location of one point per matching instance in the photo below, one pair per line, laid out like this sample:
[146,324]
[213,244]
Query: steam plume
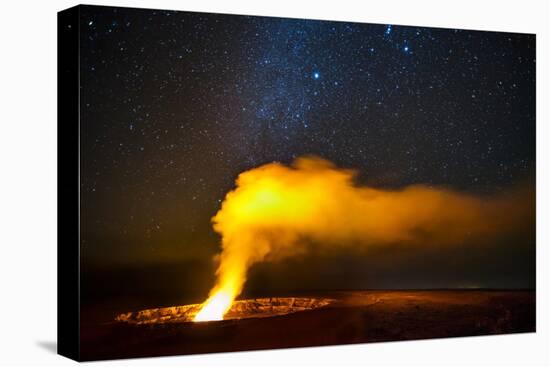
[276,210]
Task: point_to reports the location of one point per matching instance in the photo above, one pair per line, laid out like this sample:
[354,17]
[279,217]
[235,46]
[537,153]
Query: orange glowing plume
[274,208]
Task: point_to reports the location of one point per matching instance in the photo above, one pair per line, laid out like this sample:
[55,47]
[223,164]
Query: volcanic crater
[242,309]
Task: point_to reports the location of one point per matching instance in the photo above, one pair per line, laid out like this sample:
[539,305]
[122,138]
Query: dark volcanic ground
[355,317]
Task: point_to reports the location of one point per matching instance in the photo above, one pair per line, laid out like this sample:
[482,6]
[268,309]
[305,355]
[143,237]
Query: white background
[28,183]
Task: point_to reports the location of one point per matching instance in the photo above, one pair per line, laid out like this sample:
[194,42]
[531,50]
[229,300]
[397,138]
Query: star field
[174,105]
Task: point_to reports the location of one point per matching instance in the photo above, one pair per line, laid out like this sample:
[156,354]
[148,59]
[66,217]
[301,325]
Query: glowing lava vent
[244,309]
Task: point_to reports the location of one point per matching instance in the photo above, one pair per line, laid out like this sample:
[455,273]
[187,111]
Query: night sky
[174,105]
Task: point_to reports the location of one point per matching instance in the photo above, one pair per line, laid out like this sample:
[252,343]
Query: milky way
[176,104]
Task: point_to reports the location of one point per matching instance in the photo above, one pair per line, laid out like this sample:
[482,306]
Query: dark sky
[174,105]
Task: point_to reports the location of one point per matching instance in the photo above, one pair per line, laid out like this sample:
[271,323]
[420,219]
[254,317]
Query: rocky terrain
[312,319]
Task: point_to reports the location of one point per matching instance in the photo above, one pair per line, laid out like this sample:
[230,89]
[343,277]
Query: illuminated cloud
[279,211]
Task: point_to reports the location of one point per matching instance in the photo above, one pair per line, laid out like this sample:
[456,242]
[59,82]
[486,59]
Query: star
[188,103]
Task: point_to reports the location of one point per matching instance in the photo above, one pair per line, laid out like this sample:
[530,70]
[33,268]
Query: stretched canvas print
[231,183]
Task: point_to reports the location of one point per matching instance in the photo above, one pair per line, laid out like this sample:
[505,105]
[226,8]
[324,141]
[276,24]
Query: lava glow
[278,211]
[215,307]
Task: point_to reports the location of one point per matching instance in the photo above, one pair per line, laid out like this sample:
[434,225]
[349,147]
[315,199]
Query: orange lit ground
[242,309]
[353,317]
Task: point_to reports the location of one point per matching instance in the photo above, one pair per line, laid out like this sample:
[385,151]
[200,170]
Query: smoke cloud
[279,211]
